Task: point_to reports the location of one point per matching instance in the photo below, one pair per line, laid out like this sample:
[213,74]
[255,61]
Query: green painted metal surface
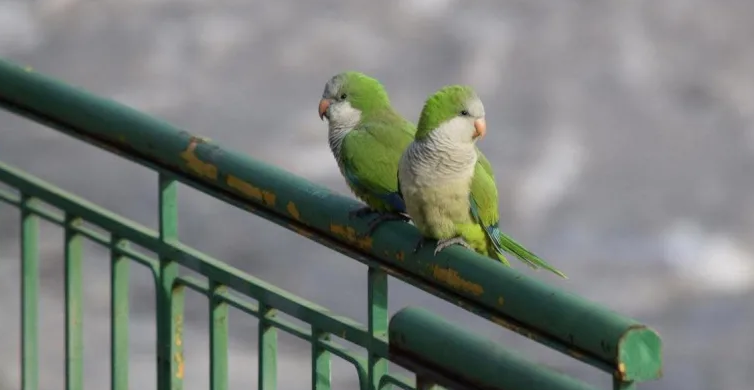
[74,315]
[584,330]
[29,295]
[430,343]
[119,313]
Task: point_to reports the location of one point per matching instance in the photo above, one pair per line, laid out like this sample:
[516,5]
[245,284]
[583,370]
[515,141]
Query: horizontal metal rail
[38,194]
[441,352]
[582,329]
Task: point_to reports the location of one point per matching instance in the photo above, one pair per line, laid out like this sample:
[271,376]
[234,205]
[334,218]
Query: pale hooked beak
[480,127]
[323,105]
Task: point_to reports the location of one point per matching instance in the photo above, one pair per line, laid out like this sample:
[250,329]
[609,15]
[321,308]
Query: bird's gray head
[347,96]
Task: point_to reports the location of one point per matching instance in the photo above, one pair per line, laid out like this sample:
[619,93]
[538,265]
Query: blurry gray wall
[621,133]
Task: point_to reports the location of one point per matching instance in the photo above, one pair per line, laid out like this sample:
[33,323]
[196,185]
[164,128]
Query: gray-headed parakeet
[367,137]
[447,183]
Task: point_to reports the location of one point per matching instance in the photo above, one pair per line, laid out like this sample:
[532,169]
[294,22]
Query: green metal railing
[441,354]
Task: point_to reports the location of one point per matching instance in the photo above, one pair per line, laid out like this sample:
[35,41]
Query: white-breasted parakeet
[448,185]
[367,137]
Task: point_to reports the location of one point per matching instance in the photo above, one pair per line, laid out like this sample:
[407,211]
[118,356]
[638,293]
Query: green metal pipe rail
[626,349]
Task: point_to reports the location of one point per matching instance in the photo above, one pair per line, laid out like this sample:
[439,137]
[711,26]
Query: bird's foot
[384,217]
[442,244]
[420,244]
[361,213]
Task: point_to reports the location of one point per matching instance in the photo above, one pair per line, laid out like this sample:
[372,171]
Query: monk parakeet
[448,185]
[367,138]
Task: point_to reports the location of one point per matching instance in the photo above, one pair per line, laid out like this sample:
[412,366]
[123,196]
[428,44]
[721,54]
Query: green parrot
[367,137]
[447,183]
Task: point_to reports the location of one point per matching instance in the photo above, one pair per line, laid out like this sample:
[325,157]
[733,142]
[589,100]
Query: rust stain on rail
[349,234]
[178,342]
[179,365]
[201,168]
[293,211]
[251,191]
[450,277]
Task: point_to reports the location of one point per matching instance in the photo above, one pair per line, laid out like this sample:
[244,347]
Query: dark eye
[465,113]
[343,96]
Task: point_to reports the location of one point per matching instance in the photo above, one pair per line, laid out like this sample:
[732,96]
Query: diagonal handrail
[563,321]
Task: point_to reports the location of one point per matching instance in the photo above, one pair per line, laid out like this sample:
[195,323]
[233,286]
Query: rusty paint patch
[622,368]
[251,191]
[269,198]
[178,341]
[452,279]
[179,365]
[178,333]
[349,234]
[200,167]
[500,301]
[400,256]
[293,211]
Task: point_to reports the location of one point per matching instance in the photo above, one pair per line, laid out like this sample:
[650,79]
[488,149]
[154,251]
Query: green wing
[370,156]
[484,209]
[482,160]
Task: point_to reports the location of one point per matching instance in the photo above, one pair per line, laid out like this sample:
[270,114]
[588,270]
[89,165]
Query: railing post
[378,322]
[29,295]
[445,354]
[169,352]
[565,322]
[74,330]
[119,314]
[218,338]
[321,362]
[267,350]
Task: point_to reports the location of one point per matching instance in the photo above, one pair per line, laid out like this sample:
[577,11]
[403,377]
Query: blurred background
[621,134]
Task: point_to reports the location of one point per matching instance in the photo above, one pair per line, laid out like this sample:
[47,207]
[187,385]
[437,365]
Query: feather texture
[370,155]
[367,137]
[449,185]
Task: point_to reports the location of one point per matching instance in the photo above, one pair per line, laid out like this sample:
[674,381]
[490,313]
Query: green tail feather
[532,260]
[501,242]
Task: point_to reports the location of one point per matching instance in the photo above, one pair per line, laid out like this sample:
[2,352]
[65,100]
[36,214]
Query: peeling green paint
[251,191]
[543,312]
[451,278]
[201,168]
[349,234]
[293,210]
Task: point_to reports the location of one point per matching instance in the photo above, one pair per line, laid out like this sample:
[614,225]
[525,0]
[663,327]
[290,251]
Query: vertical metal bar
[119,313]
[321,362]
[619,385]
[29,291]
[267,349]
[378,323]
[175,340]
[169,370]
[74,294]
[218,342]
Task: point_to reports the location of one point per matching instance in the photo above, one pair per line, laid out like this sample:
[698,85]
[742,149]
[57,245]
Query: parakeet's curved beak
[481,128]
[323,105]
